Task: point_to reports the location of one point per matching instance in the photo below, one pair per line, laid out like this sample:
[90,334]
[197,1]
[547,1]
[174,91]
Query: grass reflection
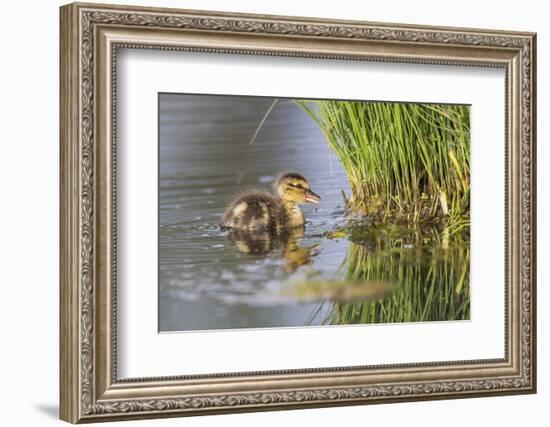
[427,270]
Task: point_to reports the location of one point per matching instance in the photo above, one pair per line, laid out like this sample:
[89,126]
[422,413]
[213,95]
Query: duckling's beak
[311,197]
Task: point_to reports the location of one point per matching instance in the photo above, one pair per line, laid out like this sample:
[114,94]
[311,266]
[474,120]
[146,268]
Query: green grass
[428,271]
[405,162]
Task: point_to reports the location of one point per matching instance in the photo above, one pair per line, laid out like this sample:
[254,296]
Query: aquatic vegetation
[428,268]
[405,162]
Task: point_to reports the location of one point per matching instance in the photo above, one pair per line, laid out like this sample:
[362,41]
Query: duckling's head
[294,188]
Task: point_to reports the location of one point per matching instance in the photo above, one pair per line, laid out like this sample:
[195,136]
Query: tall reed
[405,162]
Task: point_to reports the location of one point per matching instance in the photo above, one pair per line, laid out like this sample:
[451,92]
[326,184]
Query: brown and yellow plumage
[261,210]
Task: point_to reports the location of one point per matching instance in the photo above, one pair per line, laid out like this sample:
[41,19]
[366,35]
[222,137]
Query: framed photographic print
[265,212]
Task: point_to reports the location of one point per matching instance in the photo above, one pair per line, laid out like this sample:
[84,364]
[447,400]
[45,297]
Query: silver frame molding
[90,37]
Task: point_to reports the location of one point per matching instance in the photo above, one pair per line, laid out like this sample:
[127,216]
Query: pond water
[332,272]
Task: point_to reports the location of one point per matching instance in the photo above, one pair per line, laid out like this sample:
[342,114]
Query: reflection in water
[430,271]
[287,242]
[330,272]
[339,291]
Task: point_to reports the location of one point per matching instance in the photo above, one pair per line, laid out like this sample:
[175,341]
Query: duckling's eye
[299,186]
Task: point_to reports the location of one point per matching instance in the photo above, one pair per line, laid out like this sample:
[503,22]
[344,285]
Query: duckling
[266,211]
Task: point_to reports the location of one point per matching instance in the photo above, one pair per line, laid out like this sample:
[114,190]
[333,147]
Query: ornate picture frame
[90,37]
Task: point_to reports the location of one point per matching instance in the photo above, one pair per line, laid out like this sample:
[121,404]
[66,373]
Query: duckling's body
[260,211]
[266,211]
